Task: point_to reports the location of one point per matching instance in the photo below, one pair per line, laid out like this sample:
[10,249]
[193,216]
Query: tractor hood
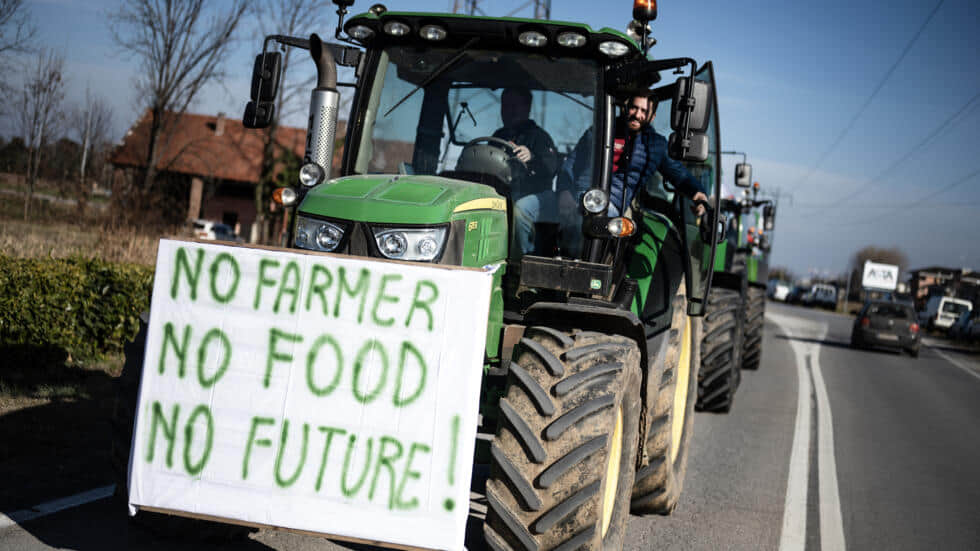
[399,199]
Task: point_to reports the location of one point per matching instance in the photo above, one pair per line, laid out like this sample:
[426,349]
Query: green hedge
[78,306]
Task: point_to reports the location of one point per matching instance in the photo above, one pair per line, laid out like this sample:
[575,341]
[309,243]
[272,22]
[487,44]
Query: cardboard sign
[879,276]
[316,392]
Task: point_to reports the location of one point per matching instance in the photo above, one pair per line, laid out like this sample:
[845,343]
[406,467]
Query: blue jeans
[543,207]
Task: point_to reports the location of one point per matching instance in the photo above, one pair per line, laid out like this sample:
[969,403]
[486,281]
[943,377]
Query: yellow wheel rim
[612,472]
[680,390]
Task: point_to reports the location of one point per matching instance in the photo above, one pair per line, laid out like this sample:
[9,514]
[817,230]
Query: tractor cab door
[701,244]
[696,232]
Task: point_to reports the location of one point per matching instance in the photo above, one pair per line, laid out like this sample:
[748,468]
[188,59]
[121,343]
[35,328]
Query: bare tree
[291,18]
[40,112]
[16,28]
[180,46]
[16,33]
[91,122]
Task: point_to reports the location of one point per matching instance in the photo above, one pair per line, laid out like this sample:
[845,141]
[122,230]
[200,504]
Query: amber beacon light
[645,10]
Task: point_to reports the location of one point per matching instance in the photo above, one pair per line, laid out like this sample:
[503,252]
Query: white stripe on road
[793,536]
[955,362]
[56,505]
[831,525]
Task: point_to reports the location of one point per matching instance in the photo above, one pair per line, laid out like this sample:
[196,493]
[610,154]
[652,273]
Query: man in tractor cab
[534,147]
[638,153]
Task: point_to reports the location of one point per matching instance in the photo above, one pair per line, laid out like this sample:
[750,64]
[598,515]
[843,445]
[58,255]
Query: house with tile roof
[220,161]
[219,157]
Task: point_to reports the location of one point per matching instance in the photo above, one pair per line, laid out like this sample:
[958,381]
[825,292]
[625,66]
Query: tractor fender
[731,280]
[587,317]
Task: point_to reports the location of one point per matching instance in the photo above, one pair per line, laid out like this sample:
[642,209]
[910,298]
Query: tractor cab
[432,171]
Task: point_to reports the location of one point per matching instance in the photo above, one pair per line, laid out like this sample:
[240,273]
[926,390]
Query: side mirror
[696,145]
[258,114]
[265,76]
[265,86]
[743,175]
[697,103]
[769,217]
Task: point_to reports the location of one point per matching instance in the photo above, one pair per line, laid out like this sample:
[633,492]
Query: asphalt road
[826,448]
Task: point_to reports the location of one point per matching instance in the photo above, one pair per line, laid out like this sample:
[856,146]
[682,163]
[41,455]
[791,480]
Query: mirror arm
[688,108]
[744,157]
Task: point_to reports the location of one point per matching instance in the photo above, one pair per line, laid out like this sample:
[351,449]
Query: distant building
[937,280]
[219,158]
[221,161]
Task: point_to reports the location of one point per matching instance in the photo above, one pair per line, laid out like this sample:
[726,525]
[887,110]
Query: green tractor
[732,338]
[756,223]
[591,370]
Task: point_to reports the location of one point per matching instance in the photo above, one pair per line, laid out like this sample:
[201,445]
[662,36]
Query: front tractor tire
[564,455]
[721,351]
[670,408]
[755,311]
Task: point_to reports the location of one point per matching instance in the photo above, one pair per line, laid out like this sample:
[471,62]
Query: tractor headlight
[397,28]
[613,48]
[423,244]
[595,201]
[317,235]
[311,174]
[360,32]
[571,39]
[533,39]
[432,32]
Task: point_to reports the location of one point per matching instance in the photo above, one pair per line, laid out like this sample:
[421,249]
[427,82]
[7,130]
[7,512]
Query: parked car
[886,324]
[208,229]
[796,294]
[779,290]
[961,327]
[973,332]
[822,295]
[941,313]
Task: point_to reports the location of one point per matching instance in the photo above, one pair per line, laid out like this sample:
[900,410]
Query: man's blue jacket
[649,155]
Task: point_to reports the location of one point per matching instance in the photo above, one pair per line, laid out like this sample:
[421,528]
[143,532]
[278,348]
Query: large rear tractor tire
[123,416]
[755,310]
[564,455]
[660,479]
[721,351]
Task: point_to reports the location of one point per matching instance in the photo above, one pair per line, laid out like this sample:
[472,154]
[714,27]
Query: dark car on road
[886,324]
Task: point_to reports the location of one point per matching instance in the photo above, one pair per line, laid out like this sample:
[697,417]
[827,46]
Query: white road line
[56,505]
[831,524]
[955,362]
[793,536]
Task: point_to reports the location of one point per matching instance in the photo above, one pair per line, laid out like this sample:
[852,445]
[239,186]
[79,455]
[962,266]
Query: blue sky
[791,77]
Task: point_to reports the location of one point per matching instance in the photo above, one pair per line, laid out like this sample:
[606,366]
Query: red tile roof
[208,146]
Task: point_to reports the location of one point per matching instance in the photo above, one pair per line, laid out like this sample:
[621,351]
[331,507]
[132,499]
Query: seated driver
[535,148]
[638,152]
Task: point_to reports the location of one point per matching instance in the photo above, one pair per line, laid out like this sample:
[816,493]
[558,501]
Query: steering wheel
[493,140]
[495,157]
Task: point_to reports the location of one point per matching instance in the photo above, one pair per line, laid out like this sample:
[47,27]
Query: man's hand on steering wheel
[521,153]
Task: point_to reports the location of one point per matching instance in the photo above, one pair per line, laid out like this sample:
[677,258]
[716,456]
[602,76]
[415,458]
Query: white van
[942,312]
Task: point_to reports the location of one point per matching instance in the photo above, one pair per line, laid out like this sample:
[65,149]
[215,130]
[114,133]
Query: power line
[881,84]
[916,148]
[917,202]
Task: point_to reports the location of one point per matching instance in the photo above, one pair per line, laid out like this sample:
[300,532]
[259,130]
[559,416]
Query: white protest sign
[879,276]
[316,392]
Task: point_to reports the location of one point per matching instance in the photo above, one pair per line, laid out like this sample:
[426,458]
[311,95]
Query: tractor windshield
[434,111]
